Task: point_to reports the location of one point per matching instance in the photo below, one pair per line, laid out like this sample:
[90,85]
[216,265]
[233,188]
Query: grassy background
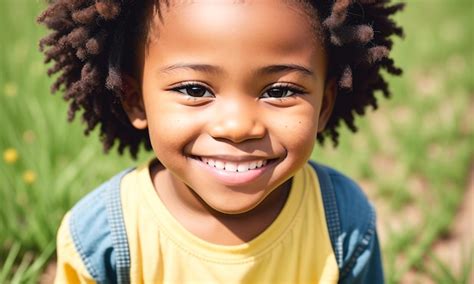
[412,157]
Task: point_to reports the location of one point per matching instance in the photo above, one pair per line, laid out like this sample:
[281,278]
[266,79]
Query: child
[230,96]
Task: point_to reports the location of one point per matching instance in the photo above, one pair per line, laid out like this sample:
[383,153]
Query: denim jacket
[98,231]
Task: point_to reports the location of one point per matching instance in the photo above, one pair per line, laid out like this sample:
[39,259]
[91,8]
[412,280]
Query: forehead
[173,3]
[234,33]
[216,11]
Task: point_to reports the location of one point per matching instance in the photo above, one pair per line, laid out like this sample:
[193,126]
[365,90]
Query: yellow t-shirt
[295,248]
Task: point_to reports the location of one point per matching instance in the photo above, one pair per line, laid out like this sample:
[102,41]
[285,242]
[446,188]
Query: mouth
[235,171]
[235,166]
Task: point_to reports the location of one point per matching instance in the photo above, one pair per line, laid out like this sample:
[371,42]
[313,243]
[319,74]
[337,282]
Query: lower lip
[233,178]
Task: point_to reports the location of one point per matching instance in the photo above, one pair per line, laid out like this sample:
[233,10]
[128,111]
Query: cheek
[170,129]
[297,130]
[300,139]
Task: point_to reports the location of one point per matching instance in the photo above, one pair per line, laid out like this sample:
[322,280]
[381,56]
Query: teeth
[234,166]
[243,167]
[253,165]
[212,163]
[219,165]
[230,167]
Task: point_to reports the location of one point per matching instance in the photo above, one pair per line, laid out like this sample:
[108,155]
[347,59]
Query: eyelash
[287,87]
[187,85]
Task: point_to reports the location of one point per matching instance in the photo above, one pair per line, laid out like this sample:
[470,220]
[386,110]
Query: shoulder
[69,264]
[90,229]
[351,221]
[353,207]
[355,210]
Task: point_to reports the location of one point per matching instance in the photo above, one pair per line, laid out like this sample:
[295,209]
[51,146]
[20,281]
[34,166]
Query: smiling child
[230,96]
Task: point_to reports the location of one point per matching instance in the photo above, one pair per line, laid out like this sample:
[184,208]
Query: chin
[234,208]
[234,211]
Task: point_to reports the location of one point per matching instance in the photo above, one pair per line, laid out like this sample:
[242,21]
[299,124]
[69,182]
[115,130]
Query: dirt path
[49,273]
[458,246]
[454,249]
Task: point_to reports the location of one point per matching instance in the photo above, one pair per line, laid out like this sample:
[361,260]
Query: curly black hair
[88,37]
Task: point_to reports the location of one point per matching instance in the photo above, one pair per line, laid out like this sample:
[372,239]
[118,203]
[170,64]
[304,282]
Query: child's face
[235,85]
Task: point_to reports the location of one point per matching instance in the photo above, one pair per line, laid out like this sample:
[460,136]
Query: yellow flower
[10,156]
[29,176]
[10,90]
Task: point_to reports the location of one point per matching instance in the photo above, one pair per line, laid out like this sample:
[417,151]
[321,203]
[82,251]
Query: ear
[327,105]
[132,102]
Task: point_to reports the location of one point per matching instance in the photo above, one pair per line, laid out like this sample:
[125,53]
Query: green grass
[66,164]
[415,151]
[442,273]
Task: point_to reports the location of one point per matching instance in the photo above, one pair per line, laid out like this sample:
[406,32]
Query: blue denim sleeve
[361,258]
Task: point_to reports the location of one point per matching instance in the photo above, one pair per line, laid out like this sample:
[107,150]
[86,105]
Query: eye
[193,90]
[283,91]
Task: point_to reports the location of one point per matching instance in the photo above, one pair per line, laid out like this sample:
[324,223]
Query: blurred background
[414,157]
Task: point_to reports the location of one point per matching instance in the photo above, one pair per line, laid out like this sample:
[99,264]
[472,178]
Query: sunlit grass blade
[36,268]
[7,266]
[442,272]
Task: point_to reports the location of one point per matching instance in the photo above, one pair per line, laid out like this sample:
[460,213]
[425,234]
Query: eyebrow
[267,70]
[206,68]
[272,69]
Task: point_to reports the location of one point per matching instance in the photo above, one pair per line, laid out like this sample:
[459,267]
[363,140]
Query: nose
[237,121]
